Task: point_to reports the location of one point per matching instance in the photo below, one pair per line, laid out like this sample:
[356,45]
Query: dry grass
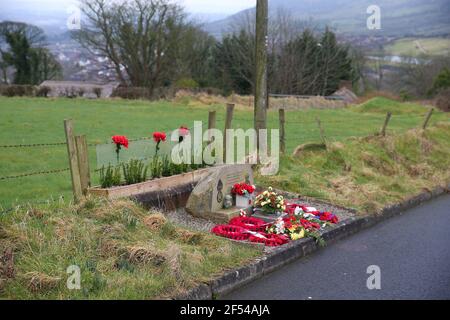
[40,283]
[123,251]
[369,173]
[247,102]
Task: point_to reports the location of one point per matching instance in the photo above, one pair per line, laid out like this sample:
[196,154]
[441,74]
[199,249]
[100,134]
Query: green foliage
[32,62]
[135,171]
[156,167]
[110,176]
[442,80]
[187,83]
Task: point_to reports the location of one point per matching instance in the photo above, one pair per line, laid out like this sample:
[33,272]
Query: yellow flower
[298,236]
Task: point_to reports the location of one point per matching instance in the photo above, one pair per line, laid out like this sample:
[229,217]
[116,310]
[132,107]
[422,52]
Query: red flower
[242,189]
[183,131]
[120,141]
[159,136]
[329,217]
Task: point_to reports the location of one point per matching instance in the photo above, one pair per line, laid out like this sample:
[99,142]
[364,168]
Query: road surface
[412,252]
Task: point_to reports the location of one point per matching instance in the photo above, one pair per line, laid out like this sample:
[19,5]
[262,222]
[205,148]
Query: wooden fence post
[427,119]
[322,133]
[212,120]
[282,131]
[386,123]
[83,163]
[228,122]
[73,160]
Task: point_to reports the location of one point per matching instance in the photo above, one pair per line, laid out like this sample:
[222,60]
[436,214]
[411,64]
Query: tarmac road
[411,250]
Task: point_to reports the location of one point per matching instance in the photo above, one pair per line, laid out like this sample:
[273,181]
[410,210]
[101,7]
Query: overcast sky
[194,6]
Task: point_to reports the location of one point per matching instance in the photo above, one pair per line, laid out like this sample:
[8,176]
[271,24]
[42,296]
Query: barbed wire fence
[316,130]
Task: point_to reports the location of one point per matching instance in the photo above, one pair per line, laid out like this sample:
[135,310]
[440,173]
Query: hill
[398,17]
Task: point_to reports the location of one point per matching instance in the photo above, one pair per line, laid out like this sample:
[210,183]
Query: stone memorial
[208,198]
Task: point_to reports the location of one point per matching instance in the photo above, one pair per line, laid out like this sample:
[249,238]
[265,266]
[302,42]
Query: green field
[40,120]
[419,46]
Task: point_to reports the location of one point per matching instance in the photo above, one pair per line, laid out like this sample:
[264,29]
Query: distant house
[80,89]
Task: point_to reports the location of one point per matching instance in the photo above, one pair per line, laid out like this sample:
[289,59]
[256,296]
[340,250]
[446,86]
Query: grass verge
[368,173]
[123,252]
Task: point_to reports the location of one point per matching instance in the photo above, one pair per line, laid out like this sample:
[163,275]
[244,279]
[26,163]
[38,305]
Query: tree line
[153,44]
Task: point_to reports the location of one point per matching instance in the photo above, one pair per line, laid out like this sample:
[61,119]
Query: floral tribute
[120,141]
[243,189]
[297,222]
[269,201]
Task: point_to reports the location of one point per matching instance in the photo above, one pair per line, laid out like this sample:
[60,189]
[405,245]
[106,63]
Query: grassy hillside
[399,17]
[369,173]
[415,47]
[38,120]
[123,252]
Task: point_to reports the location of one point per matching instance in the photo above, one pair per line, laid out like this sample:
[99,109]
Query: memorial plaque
[207,199]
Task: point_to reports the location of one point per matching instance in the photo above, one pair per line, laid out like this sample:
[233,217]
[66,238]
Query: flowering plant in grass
[243,189]
[120,141]
[270,201]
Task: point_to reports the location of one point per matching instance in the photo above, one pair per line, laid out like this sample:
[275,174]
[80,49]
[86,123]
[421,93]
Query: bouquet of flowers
[243,189]
[270,201]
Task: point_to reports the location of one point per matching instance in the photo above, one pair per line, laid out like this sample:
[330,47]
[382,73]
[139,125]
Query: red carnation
[159,136]
[183,131]
[120,141]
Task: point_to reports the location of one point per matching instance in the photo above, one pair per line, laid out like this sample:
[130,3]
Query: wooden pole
[228,123]
[73,160]
[386,123]
[261,94]
[282,131]
[83,163]
[322,133]
[212,120]
[427,119]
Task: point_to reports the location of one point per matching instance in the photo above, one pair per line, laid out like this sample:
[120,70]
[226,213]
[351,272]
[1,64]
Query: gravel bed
[184,219]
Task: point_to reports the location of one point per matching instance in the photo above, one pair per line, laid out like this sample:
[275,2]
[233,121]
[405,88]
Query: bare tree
[139,37]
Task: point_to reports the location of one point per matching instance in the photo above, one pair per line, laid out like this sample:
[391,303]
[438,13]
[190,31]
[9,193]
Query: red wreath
[231,232]
[249,223]
[270,240]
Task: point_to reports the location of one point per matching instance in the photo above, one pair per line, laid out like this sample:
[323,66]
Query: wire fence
[306,131]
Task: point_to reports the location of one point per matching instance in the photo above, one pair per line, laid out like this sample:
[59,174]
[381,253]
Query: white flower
[298,211]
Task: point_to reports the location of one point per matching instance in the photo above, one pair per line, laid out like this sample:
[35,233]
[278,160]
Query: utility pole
[261,94]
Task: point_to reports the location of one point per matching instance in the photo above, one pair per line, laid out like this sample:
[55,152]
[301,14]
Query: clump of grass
[123,251]
[135,171]
[40,282]
[110,176]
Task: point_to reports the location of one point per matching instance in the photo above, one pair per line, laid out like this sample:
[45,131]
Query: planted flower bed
[149,180]
[284,222]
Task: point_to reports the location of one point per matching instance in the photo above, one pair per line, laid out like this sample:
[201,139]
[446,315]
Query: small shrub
[133,93]
[81,92]
[135,171]
[43,91]
[97,91]
[443,100]
[18,90]
[110,176]
[187,83]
